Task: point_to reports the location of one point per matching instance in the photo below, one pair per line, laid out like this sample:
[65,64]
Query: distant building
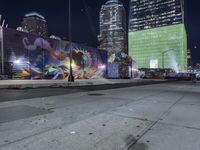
[35,24]
[155,28]
[113,34]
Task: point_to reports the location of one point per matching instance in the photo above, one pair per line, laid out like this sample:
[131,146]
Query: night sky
[85,19]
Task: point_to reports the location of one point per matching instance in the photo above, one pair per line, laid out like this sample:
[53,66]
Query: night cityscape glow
[100,75]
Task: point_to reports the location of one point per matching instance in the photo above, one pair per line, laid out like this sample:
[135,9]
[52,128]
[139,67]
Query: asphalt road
[20,94]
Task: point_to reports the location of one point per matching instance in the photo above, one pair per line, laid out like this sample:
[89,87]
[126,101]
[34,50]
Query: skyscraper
[35,23]
[113,34]
[156,27]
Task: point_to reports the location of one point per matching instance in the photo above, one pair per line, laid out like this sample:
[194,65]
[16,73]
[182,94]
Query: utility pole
[70,77]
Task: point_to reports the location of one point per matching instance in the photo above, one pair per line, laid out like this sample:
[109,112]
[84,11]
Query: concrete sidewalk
[5,84]
[153,117]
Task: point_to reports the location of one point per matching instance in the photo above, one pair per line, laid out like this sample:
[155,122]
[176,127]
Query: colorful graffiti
[43,58]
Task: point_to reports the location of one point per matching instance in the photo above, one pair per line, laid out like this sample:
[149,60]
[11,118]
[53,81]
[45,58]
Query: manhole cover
[95,94]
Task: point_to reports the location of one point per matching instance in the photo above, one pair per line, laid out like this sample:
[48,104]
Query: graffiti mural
[44,58]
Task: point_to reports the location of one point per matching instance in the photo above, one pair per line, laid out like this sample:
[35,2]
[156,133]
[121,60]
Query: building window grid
[158,13]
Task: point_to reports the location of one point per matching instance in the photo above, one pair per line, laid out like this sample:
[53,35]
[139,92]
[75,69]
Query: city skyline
[85,16]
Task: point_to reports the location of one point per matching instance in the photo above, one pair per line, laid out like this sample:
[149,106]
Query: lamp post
[70,77]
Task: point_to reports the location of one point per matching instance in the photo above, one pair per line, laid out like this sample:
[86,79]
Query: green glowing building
[156,32]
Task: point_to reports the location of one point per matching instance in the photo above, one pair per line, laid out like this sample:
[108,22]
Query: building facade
[35,23]
[113,34]
[36,57]
[156,27]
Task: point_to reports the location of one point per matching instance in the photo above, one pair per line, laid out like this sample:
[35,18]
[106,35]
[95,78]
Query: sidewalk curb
[43,85]
[65,84]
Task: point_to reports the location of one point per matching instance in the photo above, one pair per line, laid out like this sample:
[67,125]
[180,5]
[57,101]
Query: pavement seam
[156,122]
[57,127]
[178,103]
[54,128]
[137,118]
[175,125]
[15,141]
[123,116]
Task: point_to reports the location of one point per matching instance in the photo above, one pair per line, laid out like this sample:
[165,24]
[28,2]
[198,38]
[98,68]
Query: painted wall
[44,58]
[152,45]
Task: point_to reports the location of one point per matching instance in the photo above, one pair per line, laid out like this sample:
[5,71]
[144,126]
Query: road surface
[151,117]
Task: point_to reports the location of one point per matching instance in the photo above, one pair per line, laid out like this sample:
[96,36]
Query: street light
[70,77]
[163,56]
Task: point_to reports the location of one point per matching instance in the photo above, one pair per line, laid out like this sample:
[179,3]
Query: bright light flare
[102,67]
[18,61]
[133,69]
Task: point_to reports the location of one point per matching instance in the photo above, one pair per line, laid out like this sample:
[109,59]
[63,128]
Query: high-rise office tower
[35,23]
[157,30]
[113,34]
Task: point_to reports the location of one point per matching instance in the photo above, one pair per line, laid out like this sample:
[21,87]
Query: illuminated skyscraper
[156,27]
[113,34]
[35,23]
[147,14]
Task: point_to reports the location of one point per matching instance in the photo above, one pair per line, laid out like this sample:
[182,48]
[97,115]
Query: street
[105,117]
[13,93]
